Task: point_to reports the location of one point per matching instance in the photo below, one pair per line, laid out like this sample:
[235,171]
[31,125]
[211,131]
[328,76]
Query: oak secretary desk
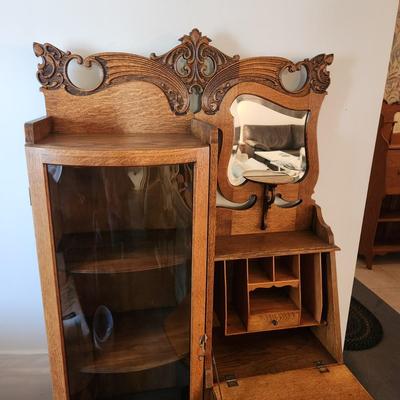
[181,253]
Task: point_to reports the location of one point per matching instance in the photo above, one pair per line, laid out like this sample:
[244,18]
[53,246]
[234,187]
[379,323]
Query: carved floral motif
[194,60]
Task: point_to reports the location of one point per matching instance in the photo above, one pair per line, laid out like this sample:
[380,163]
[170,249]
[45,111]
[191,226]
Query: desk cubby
[269,293]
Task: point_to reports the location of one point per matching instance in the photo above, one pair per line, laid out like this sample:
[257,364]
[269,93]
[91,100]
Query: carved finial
[195,36]
[319,75]
[51,71]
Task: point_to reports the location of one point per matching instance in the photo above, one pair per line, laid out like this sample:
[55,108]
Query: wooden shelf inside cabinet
[271,244]
[390,216]
[383,248]
[144,340]
[270,301]
[261,272]
[125,251]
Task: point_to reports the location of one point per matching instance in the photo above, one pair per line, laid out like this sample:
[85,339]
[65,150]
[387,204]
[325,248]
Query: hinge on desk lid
[321,367]
[30,197]
[203,344]
[231,380]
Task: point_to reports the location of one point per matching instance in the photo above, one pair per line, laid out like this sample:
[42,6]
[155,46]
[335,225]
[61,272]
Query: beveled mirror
[269,143]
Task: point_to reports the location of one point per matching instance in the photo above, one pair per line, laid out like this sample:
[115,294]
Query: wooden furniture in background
[250,311]
[381,225]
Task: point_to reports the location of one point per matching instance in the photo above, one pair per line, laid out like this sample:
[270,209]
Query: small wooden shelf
[143,340]
[127,252]
[390,216]
[287,269]
[383,248]
[137,142]
[261,272]
[269,293]
[270,301]
[272,244]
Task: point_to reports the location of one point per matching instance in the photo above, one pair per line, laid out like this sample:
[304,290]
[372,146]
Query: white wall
[359,32]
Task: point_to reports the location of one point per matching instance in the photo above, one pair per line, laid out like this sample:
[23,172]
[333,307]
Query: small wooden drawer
[393,172]
[270,321]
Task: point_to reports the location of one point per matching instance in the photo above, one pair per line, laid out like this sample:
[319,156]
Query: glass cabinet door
[123,243]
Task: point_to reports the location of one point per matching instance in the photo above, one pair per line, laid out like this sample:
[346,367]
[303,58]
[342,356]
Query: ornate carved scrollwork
[199,61]
[117,68]
[266,71]
[318,78]
[52,71]
[192,64]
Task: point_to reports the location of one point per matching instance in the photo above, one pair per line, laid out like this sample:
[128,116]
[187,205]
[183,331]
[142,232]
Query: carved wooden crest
[193,64]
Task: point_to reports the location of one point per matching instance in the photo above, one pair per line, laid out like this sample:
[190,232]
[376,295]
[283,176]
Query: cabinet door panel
[123,248]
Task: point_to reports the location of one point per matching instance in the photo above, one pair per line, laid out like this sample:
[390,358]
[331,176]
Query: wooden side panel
[240,293]
[48,275]
[311,284]
[208,134]
[199,273]
[303,384]
[329,334]
[130,108]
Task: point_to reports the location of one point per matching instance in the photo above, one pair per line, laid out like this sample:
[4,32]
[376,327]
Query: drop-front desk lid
[334,382]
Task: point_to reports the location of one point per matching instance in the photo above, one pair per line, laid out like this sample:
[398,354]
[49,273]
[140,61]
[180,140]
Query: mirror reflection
[269,142]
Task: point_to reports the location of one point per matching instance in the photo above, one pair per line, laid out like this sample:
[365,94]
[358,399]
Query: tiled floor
[383,279]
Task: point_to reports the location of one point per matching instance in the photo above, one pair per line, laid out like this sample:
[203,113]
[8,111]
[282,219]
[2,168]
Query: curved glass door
[123,242]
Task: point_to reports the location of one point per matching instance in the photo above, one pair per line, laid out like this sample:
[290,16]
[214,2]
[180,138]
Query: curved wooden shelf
[137,261]
[132,252]
[144,340]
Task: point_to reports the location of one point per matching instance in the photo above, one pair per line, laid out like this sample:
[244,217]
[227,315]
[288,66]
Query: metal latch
[231,380]
[203,343]
[321,367]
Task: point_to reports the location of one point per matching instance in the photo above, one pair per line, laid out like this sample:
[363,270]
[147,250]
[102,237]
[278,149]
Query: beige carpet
[24,377]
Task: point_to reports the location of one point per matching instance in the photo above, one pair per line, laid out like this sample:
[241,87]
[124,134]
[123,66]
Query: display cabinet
[120,235]
[380,232]
[181,253]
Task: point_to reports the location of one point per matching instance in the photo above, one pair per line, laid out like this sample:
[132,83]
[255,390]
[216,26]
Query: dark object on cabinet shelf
[381,225]
[124,180]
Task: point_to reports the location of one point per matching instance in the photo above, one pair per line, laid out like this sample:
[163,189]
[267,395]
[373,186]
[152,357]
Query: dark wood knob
[274,322]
